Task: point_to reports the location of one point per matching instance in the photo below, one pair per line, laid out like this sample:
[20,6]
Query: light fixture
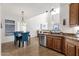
[22,18]
[52,10]
[55,11]
[23,22]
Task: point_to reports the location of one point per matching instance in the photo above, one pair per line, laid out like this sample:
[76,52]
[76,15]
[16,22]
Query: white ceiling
[30,9]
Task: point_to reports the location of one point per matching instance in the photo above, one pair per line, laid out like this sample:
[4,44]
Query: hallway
[33,49]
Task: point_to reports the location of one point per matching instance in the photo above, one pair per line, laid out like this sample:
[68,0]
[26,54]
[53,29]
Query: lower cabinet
[49,42]
[70,48]
[54,43]
[57,43]
[77,50]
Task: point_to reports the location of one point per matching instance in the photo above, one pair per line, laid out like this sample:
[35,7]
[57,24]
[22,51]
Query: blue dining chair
[17,38]
[25,38]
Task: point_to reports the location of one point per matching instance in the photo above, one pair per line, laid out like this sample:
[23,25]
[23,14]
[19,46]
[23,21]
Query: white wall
[34,23]
[12,12]
[7,14]
[0,29]
[45,18]
[49,20]
[53,18]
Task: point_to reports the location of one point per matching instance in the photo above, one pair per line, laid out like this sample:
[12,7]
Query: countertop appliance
[42,40]
[56,28]
[77,34]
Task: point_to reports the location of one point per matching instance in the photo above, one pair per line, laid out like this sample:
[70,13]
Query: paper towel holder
[64,21]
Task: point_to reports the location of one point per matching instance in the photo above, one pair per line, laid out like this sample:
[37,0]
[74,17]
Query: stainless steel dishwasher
[42,40]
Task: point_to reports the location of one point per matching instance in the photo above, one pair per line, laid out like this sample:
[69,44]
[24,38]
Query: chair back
[17,34]
[25,36]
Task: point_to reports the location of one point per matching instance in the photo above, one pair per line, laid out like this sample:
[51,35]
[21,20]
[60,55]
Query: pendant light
[22,18]
[23,22]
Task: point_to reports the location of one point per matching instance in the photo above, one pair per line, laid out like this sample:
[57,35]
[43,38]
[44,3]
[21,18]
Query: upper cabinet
[73,14]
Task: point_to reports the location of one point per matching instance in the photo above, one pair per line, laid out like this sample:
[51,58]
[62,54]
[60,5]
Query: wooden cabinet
[57,43]
[49,42]
[70,48]
[63,45]
[74,14]
[77,50]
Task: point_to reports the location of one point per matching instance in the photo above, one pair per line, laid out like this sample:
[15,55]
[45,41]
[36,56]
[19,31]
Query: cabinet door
[77,50]
[57,43]
[73,14]
[70,49]
[66,48]
[49,42]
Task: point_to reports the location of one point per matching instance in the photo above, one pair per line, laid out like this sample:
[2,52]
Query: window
[9,27]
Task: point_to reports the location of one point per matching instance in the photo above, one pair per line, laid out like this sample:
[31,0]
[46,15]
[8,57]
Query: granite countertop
[69,37]
[65,36]
[73,38]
